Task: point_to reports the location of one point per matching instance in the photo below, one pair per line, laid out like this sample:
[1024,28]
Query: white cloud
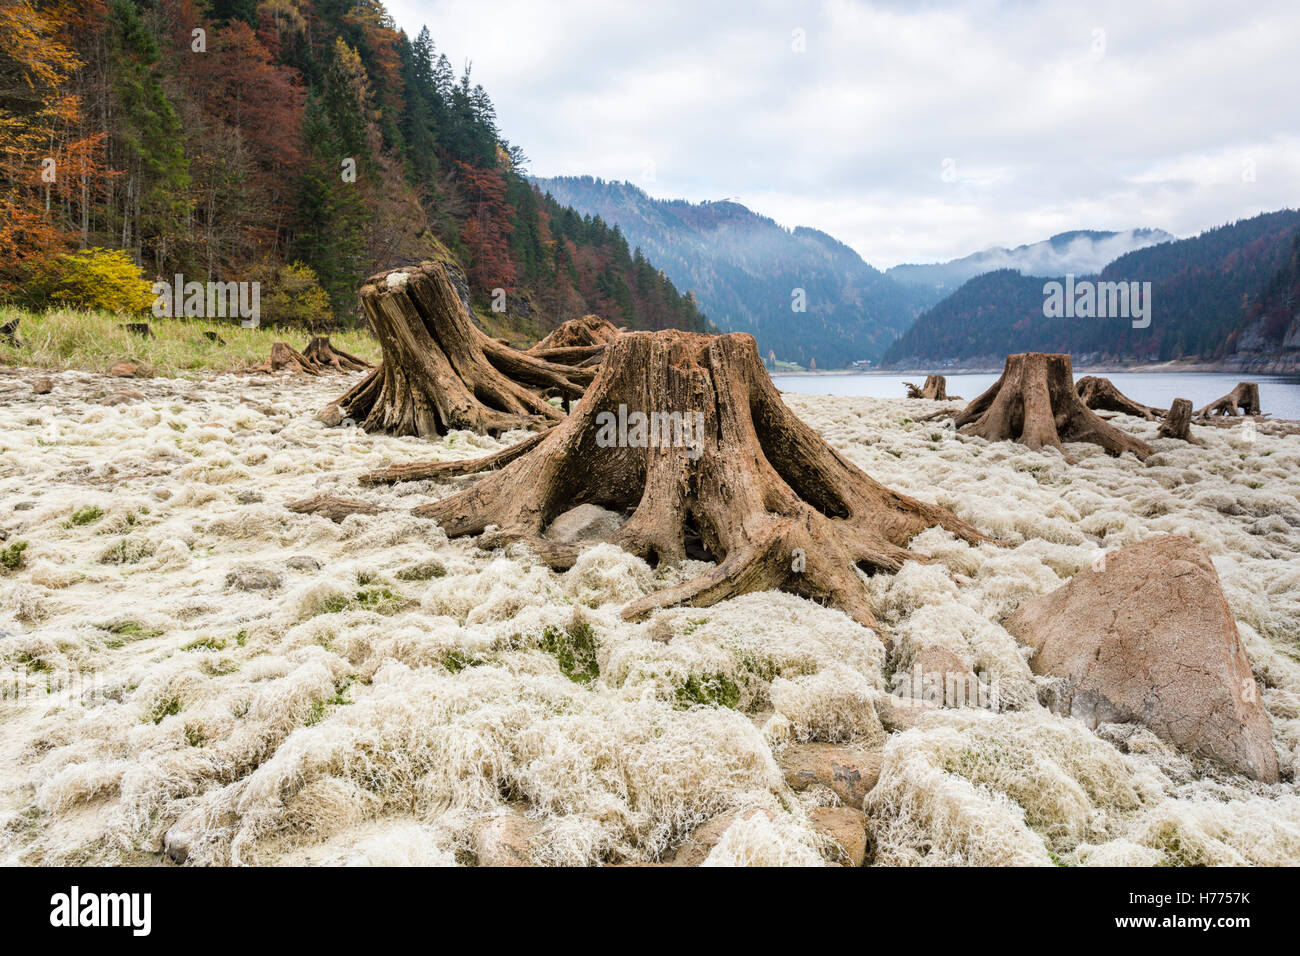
[1051,125]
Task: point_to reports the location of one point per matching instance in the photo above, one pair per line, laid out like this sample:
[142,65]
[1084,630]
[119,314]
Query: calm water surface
[1279,395]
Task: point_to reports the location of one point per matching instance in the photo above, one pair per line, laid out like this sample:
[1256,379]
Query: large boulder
[1145,636]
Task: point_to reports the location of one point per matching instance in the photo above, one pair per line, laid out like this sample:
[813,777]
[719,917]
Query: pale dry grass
[372,709]
[96,341]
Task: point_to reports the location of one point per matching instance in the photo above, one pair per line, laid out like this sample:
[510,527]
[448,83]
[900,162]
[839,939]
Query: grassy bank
[96,341]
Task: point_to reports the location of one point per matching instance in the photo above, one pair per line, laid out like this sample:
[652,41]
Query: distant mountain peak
[1077,251]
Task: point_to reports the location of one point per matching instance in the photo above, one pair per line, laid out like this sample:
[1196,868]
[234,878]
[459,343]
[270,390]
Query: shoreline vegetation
[95,341]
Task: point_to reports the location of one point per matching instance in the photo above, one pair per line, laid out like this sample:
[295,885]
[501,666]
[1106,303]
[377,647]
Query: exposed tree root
[285,356]
[332,507]
[322,354]
[1101,394]
[440,371]
[1242,400]
[1034,403]
[686,434]
[578,342]
[425,470]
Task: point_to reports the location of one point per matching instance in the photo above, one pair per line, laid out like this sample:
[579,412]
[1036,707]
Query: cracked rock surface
[1148,638]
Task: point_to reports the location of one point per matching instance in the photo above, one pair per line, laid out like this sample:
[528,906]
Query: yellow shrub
[106,279]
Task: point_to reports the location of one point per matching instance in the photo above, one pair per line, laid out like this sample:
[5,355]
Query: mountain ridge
[1199,288]
[1077,251]
[750,274]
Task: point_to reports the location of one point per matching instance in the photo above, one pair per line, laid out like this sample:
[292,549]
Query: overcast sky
[912,131]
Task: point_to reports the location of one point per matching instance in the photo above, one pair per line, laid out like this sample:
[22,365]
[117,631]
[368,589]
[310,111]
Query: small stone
[584,523]
[331,416]
[25,506]
[125,370]
[505,840]
[122,397]
[850,773]
[303,562]
[176,844]
[253,579]
[43,386]
[847,827]
[249,497]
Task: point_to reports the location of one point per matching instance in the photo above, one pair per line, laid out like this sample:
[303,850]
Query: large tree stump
[440,371]
[935,388]
[1034,403]
[1178,422]
[9,333]
[324,355]
[1100,394]
[1244,397]
[687,435]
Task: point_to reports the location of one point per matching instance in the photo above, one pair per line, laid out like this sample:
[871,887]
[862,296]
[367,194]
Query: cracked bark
[1034,403]
[1242,400]
[770,501]
[1101,394]
[935,388]
[440,371]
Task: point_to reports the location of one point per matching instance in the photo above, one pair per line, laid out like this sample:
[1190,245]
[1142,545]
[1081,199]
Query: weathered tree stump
[440,371]
[578,342]
[1034,403]
[1178,421]
[214,338]
[1100,394]
[708,453]
[141,329]
[9,333]
[935,388]
[321,353]
[1244,397]
[285,356]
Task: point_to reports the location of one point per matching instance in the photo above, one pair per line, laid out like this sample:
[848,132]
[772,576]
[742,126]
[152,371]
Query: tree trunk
[1178,422]
[686,434]
[1101,394]
[440,371]
[1244,397]
[1034,403]
[935,388]
[321,353]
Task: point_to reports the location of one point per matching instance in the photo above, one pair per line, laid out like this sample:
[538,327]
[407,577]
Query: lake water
[1279,395]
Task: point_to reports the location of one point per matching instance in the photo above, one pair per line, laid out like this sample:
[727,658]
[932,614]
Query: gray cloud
[1055,116]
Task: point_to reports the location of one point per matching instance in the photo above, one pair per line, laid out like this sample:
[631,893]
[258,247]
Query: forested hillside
[1200,288]
[752,275]
[292,142]
[1269,333]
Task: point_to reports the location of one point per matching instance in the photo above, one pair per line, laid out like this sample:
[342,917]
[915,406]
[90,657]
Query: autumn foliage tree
[225,139]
